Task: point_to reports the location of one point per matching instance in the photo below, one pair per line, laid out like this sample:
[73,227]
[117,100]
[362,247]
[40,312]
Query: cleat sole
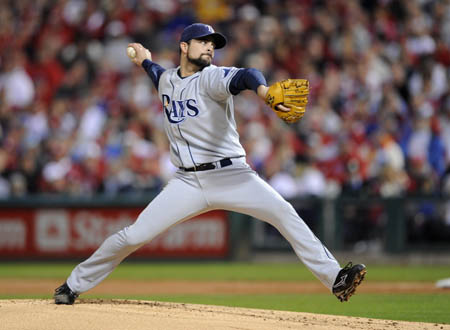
[359,277]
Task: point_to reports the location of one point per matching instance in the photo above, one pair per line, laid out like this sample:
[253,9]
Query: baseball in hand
[131,52]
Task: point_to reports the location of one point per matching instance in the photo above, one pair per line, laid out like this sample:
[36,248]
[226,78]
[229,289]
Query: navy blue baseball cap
[199,30]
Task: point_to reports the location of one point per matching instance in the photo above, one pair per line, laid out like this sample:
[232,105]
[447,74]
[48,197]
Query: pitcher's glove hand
[293,94]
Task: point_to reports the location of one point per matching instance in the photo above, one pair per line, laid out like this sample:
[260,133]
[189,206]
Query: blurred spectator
[15,82]
[5,185]
[393,181]
[311,181]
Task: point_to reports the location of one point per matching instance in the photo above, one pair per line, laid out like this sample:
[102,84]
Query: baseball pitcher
[197,100]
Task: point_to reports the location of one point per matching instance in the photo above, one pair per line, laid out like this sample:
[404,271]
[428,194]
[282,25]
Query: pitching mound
[136,315]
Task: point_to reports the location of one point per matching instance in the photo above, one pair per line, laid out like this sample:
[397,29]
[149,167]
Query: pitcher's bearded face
[200,52]
[202,61]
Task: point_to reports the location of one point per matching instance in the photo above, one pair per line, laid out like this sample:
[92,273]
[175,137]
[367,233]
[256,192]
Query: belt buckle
[210,166]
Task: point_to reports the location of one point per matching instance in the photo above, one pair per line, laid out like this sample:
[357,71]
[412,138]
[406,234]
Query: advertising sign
[73,232]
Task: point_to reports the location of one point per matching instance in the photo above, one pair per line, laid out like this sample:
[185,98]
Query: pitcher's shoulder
[169,72]
[218,72]
[209,70]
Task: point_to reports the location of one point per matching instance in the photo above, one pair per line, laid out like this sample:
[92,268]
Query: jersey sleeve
[216,82]
[246,79]
[154,71]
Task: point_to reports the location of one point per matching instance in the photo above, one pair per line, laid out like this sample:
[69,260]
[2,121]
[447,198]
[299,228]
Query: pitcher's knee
[285,208]
[285,213]
[135,237]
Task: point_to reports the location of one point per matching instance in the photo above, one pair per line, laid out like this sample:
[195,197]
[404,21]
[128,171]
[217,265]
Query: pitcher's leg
[177,202]
[247,193]
[310,250]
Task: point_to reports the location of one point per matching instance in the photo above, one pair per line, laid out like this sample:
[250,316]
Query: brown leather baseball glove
[292,93]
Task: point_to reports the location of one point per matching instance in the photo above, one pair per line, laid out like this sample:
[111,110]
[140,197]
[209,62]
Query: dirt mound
[100,314]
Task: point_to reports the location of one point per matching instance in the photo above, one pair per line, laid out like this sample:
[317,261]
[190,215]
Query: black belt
[208,166]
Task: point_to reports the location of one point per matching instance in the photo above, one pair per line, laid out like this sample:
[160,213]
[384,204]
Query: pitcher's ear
[183,47]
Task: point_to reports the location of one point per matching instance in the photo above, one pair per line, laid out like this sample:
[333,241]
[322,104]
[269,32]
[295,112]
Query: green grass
[222,271]
[408,307]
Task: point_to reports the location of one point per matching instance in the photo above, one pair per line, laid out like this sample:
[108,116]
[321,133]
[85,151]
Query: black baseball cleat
[347,280]
[64,295]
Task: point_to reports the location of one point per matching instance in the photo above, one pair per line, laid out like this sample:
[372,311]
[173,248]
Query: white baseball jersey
[199,116]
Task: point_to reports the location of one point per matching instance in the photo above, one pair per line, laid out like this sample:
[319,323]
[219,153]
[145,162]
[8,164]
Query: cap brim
[219,40]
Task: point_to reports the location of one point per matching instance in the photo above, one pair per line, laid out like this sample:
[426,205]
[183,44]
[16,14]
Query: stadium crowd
[77,117]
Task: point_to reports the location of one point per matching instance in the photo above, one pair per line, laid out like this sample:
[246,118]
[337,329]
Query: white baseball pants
[234,188]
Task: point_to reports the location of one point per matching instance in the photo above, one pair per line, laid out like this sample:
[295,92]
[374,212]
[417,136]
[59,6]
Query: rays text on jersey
[177,110]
